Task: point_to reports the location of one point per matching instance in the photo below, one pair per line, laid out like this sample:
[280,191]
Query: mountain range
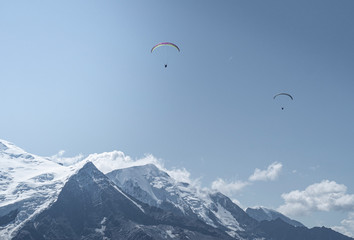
[44,199]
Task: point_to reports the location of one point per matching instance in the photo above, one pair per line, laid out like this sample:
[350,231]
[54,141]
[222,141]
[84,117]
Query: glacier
[28,184]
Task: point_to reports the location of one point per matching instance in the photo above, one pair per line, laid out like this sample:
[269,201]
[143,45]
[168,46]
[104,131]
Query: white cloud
[228,188]
[109,161]
[180,175]
[324,196]
[231,187]
[347,226]
[271,173]
[66,161]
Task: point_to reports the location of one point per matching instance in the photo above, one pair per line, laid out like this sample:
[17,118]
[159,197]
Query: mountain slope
[28,184]
[155,187]
[229,212]
[90,206]
[261,214]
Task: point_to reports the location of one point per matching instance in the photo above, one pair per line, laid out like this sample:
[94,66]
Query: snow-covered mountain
[156,188]
[262,213]
[151,185]
[28,184]
[90,206]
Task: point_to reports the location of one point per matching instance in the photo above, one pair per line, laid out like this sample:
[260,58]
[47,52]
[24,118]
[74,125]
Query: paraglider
[286,94]
[165,44]
[283,94]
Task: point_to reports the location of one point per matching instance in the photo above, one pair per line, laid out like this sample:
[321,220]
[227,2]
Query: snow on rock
[155,187]
[102,229]
[28,184]
[170,234]
[227,219]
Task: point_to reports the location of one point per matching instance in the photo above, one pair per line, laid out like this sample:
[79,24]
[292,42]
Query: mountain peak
[262,213]
[89,166]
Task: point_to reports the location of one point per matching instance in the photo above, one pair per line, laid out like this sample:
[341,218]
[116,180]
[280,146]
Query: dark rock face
[261,214]
[8,218]
[90,206]
[280,230]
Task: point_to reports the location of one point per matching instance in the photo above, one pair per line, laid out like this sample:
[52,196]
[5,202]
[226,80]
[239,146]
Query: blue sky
[79,76]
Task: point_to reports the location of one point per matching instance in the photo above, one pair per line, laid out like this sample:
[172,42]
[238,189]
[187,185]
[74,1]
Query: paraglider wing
[165,44]
[286,94]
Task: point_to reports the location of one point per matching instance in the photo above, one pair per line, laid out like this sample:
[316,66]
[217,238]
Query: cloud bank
[324,196]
